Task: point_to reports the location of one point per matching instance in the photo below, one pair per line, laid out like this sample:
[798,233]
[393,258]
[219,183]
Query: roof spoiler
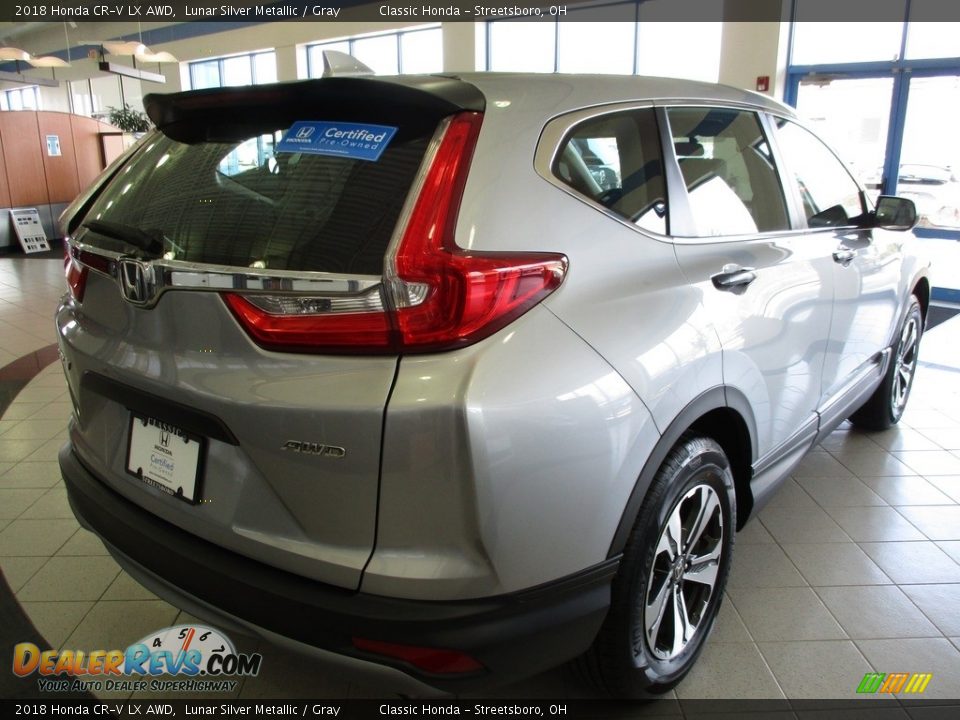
[236,113]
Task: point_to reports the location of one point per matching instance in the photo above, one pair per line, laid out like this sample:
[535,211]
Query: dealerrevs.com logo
[190,658]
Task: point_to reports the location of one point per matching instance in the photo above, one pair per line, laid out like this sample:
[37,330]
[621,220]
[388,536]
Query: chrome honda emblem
[136,281]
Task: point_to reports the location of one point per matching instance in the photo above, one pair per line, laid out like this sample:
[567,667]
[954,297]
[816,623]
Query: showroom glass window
[618,38]
[830,195]
[879,99]
[20,99]
[731,179]
[414,51]
[615,161]
[248,69]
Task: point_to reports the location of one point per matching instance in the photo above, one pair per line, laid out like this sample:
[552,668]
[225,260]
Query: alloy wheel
[684,573]
[905,364]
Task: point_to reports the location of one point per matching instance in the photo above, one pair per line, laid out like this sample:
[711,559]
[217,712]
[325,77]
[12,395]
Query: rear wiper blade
[150,241]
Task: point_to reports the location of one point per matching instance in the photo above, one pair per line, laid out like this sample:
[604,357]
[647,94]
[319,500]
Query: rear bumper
[512,636]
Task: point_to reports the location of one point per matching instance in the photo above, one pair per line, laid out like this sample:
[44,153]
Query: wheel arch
[721,413]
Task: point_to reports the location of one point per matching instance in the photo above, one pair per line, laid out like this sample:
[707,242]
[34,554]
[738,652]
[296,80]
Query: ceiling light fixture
[18,56]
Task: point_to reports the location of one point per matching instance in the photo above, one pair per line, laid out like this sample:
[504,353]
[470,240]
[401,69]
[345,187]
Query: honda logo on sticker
[305,132]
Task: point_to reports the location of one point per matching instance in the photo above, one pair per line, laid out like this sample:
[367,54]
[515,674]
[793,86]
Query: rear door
[227,346]
[767,287]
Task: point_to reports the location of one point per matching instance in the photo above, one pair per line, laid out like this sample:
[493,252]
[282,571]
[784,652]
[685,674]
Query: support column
[753,49]
[459,46]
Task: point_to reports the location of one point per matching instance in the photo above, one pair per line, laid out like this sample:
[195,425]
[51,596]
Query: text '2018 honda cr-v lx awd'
[470,376]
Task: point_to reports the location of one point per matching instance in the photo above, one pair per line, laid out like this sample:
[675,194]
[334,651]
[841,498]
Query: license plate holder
[165,457]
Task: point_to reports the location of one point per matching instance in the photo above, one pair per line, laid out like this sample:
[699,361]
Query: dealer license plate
[164,456]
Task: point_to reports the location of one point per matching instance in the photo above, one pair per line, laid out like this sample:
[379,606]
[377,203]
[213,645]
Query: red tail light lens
[438,295]
[355,332]
[432,660]
[471,295]
[75,272]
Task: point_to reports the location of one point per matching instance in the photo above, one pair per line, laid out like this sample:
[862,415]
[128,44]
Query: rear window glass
[251,203]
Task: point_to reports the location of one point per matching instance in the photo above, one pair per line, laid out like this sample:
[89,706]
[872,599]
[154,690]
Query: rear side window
[615,161]
[830,195]
[246,202]
[727,167]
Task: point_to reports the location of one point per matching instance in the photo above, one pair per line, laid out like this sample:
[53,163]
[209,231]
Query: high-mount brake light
[437,296]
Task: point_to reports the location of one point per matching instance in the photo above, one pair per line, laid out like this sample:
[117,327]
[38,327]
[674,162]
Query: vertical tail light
[437,296]
[75,272]
[469,295]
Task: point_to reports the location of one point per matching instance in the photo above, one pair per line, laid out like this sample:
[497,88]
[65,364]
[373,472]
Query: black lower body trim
[512,635]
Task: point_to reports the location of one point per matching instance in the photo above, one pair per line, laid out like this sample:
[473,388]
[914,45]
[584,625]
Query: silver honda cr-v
[469,376]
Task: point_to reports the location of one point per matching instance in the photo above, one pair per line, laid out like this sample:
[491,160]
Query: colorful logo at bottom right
[913,683]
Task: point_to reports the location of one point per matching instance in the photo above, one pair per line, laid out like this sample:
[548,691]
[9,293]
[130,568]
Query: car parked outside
[934,190]
[469,376]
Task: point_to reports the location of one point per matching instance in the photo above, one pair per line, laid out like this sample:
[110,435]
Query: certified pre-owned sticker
[358,141]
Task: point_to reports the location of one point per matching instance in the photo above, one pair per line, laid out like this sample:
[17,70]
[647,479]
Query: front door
[866,263]
[767,287]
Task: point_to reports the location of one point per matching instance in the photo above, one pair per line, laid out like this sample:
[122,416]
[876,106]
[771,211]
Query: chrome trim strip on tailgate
[144,281]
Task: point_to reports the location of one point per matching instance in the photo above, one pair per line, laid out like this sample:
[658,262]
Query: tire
[885,407]
[635,655]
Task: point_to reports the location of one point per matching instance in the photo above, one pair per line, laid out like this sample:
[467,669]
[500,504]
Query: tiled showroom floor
[854,566]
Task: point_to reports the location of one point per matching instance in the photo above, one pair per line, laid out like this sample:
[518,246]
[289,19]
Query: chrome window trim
[558,127]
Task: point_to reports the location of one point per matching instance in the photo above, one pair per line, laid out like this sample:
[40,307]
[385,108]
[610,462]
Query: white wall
[753,49]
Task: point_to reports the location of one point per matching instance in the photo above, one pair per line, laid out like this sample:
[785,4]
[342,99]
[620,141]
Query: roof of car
[559,92]
[185,115]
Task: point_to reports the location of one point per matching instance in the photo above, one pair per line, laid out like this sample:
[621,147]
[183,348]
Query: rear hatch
[229,341]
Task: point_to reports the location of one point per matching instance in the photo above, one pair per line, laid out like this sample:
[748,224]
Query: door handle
[733,277]
[844,255]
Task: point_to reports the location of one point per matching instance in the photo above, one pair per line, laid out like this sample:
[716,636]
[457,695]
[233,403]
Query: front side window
[830,195]
[731,180]
[615,161]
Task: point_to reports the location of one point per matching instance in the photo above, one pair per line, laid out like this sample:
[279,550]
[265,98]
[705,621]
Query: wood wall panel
[4,186]
[113,147]
[62,182]
[23,159]
[86,142]
[28,176]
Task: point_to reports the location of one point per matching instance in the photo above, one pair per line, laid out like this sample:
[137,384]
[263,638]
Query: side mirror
[895,213]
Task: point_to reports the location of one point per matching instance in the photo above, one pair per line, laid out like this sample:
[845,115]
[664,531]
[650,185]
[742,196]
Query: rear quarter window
[615,161]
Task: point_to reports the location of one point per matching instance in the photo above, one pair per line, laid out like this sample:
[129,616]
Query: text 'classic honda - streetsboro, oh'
[468,376]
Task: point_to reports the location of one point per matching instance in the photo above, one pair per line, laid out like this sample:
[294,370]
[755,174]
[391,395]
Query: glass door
[885,94]
[853,115]
[929,172]
[898,136]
